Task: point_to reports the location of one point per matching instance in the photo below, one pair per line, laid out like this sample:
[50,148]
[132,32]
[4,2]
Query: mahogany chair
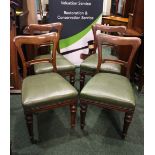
[111,91]
[47,91]
[64,67]
[89,65]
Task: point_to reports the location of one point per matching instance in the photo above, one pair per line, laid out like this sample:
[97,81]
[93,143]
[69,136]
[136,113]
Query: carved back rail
[45,28]
[134,42]
[107,29]
[49,38]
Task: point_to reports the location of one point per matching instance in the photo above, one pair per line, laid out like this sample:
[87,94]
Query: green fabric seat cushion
[46,89]
[90,64]
[61,62]
[111,89]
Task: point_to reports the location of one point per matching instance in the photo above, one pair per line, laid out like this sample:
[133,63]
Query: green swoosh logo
[71,40]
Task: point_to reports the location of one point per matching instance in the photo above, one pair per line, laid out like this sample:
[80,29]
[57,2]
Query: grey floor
[101,134]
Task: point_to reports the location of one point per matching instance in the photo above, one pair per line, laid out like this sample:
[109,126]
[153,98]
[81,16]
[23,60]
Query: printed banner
[77,17]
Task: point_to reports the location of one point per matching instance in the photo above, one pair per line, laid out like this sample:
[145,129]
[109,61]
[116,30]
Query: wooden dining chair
[64,66]
[89,65]
[111,91]
[43,92]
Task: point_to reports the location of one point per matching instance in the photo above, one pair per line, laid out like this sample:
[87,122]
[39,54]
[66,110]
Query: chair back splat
[50,38]
[134,42]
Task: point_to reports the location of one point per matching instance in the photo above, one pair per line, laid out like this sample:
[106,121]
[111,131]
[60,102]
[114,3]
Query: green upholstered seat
[61,62]
[111,89]
[90,64]
[45,89]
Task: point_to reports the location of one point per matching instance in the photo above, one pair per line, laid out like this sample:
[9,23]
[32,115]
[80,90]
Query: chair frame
[45,28]
[116,40]
[106,29]
[39,40]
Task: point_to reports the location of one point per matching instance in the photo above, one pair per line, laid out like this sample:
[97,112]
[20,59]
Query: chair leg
[127,121]
[83,110]
[72,79]
[29,122]
[73,110]
[82,80]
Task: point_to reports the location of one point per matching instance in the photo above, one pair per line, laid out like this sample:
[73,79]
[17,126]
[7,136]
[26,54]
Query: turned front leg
[82,80]
[72,79]
[29,122]
[127,120]
[83,110]
[73,110]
